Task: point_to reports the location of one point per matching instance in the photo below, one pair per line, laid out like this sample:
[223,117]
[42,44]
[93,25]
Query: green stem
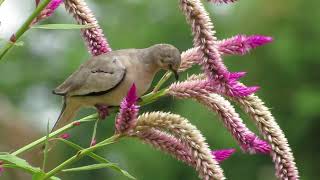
[164,78]
[146,99]
[23,28]
[94,131]
[53,134]
[79,155]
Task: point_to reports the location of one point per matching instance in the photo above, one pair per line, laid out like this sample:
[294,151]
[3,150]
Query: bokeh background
[287,71]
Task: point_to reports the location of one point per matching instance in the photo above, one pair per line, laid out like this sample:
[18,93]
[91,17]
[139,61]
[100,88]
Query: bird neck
[150,60]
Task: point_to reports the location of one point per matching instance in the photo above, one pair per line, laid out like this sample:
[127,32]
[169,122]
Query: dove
[104,80]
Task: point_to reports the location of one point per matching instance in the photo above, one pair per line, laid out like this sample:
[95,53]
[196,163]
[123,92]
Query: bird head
[167,57]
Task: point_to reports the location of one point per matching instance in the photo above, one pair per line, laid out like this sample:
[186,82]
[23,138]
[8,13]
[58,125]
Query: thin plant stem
[164,78]
[94,131]
[53,134]
[23,28]
[45,153]
[79,155]
[146,99]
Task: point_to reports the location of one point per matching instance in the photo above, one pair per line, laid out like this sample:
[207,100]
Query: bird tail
[69,111]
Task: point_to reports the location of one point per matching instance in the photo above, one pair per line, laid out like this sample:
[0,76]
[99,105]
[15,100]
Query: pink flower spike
[242,44]
[256,145]
[65,136]
[223,154]
[222,1]
[132,95]
[237,75]
[258,40]
[48,11]
[239,90]
[127,117]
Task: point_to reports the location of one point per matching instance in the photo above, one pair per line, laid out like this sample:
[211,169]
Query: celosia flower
[202,30]
[94,37]
[48,11]
[223,154]
[256,145]
[180,127]
[241,44]
[204,94]
[127,116]
[65,136]
[281,153]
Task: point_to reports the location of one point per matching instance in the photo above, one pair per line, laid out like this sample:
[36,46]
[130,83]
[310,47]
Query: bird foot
[102,110]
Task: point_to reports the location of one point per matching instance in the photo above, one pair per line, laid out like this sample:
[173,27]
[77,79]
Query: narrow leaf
[77,147]
[100,166]
[1,1]
[46,143]
[63,26]
[18,162]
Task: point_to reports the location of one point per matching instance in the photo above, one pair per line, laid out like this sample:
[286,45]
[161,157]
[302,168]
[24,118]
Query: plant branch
[54,134]
[80,154]
[25,26]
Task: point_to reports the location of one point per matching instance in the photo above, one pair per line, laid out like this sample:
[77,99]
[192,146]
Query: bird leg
[102,110]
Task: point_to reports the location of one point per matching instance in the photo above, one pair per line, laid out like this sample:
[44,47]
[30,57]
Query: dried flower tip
[76,123]
[93,142]
[256,145]
[223,154]
[65,136]
[221,1]
[127,117]
[242,44]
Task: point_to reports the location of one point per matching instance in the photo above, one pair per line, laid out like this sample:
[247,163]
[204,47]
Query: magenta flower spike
[53,5]
[222,154]
[127,116]
[256,145]
[242,44]
[48,11]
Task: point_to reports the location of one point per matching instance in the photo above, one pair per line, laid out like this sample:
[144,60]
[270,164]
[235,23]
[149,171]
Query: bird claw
[102,110]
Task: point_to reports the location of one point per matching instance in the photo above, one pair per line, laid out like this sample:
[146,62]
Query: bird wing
[97,76]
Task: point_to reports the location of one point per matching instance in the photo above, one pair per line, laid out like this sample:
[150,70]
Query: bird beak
[175,72]
[176,75]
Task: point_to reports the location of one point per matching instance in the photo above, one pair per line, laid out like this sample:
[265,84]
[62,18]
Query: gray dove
[104,80]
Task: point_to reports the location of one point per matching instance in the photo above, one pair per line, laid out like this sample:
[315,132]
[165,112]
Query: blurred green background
[287,71]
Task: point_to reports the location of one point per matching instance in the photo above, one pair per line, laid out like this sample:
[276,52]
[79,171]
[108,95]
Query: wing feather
[97,76]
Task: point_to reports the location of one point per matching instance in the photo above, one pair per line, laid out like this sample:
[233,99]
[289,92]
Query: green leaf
[1,1]
[63,26]
[19,163]
[77,147]
[40,175]
[100,166]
